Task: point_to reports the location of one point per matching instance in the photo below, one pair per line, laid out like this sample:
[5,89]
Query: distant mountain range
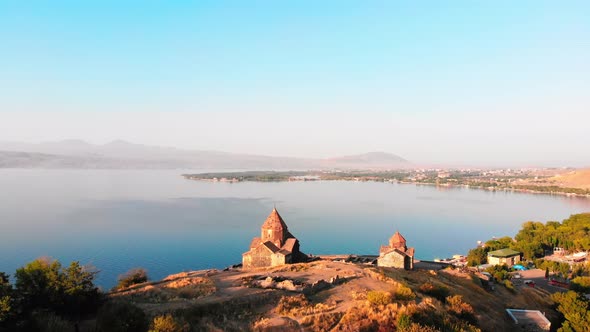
[124,155]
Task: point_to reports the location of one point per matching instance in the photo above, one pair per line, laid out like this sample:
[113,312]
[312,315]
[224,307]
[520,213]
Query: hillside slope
[332,296]
[575,179]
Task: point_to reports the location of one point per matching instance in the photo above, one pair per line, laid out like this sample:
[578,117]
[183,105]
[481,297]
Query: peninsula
[571,182]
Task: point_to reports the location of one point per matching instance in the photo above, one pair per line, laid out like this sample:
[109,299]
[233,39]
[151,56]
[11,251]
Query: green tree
[575,310]
[6,298]
[38,284]
[500,243]
[80,294]
[477,256]
[580,285]
[44,284]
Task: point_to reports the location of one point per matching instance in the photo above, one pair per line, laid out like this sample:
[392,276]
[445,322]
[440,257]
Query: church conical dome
[274,220]
[274,229]
[397,241]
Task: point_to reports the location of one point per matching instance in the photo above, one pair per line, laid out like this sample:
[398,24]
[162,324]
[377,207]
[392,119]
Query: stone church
[396,254]
[275,246]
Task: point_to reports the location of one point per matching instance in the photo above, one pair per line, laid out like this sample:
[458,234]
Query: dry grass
[185,288]
[576,179]
[415,300]
[298,305]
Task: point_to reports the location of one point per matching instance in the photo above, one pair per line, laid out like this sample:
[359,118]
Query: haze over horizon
[461,83]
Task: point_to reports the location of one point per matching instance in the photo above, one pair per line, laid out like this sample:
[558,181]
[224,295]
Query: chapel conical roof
[397,240]
[274,220]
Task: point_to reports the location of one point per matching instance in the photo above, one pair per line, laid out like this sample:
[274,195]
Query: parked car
[529,283]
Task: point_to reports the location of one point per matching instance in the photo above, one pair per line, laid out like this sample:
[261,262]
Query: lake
[119,219]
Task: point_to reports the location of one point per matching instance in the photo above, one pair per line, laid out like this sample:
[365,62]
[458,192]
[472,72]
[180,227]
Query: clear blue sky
[462,82]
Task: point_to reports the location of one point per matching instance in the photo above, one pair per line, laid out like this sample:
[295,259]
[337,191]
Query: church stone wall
[257,257]
[278,259]
[392,259]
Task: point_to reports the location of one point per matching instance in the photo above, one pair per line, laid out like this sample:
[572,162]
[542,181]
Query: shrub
[288,304]
[404,322]
[580,284]
[460,308]
[132,277]
[166,323]
[379,297]
[403,293]
[50,322]
[323,321]
[509,286]
[121,317]
[438,292]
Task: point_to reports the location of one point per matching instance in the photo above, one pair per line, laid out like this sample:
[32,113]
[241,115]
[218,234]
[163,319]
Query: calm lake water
[117,220]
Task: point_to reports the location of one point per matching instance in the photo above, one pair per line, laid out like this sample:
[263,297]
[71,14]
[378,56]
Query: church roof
[255,242]
[271,246]
[284,252]
[273,220]
[290,244]
[397,238]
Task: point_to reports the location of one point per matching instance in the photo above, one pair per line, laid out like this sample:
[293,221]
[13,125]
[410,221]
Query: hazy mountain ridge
[124,155]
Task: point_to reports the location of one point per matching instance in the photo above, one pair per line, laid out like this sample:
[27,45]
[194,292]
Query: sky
[448,82]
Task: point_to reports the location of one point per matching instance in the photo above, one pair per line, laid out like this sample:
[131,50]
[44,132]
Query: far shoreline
[312,176]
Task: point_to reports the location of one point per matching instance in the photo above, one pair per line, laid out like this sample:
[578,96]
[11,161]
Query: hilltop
[332,296]
[125,155]
[367,160]
[579,178]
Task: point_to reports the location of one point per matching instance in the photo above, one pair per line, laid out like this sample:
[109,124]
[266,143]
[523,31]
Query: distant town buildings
[503,256]
[396,254]
[275,246]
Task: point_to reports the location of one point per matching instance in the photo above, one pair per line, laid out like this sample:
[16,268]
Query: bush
[580,284]
[50,322]
[289,304]
[403,293]
[460,308]
[438,292]
[404,322]
[509,286]
[132,277]
[379,297]
[166,323]
[121,317]
[322,321]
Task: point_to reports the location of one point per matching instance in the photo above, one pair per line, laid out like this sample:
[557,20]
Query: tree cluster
[575,309]
[44,286]
[572,234]
[479,255]
[535,238]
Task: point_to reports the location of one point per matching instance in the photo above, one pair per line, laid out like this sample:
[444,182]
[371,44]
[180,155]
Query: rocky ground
[334,296]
